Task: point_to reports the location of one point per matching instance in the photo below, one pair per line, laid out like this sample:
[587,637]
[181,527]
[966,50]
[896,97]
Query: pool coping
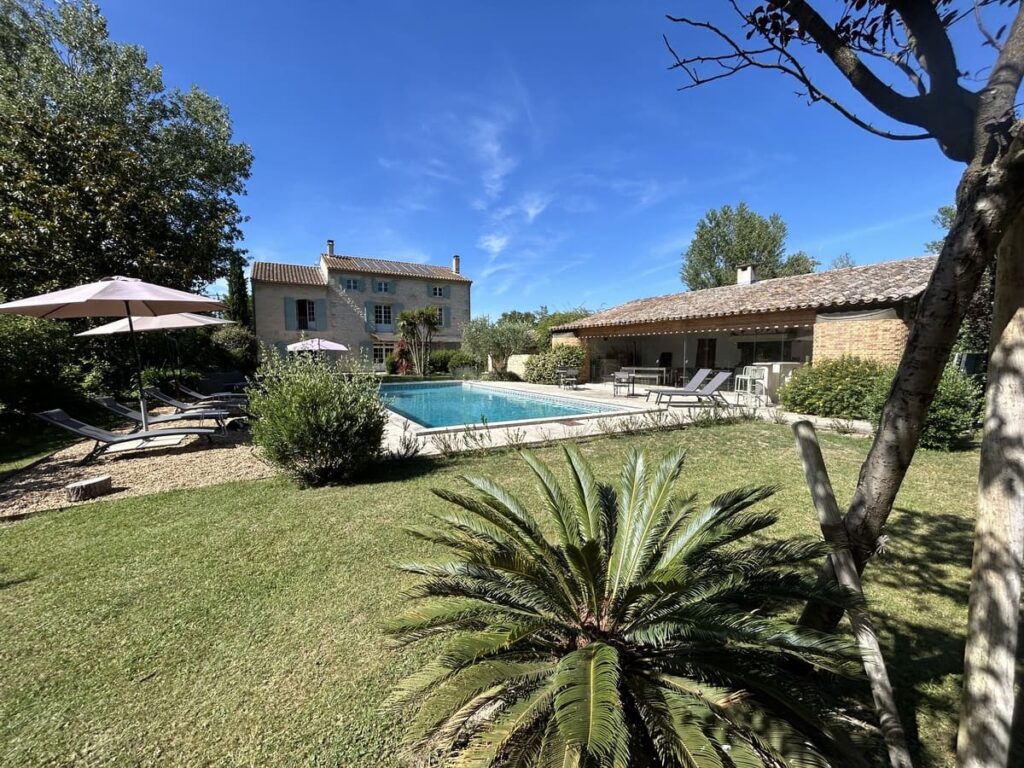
[614,410]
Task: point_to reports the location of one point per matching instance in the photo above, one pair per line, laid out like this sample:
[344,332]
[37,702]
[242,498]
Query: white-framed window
[305,314]
[383,286]
[382,314]
[381,351]
[351,284]
[437,291]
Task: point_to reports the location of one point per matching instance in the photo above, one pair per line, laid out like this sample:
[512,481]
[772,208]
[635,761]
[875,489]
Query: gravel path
[192,464]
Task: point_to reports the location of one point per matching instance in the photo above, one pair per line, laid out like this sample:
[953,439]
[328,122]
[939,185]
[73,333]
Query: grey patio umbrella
[124,297]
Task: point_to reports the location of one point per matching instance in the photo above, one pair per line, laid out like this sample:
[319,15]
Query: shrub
[391,364]
[850,388]
[37,365]
[237,345]
[164,378]
[954,412]
[499,376]
[462,359]
[314,420]
[440,360]
[540,369]
[844,388]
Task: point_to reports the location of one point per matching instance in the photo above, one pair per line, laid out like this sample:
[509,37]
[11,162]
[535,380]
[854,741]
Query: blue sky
[546,143]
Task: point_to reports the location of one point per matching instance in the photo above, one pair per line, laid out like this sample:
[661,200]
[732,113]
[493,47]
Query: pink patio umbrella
[124,297]
[156,323]
[316,345]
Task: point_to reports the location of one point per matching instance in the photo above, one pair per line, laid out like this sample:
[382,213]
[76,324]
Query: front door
[706,353]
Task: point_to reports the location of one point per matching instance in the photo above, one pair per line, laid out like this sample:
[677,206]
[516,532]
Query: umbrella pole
[138,368]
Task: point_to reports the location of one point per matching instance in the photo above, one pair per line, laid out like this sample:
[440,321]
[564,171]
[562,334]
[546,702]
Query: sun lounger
[199,396]
[687,389]
[708,394]
[217,416]
[232,406]
[106,440]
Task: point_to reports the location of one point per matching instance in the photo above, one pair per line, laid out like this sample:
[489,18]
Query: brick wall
[881,340]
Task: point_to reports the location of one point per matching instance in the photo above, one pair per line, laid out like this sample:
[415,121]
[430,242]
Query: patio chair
[687,389]
[106,440]
[179,406]
[217,416]
[622,380]
[199,396]
[708,394]
[567,377]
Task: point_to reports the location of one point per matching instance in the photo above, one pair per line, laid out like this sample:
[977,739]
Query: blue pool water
[456,403]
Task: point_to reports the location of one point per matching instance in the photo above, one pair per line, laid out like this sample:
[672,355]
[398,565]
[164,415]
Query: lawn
[241,624]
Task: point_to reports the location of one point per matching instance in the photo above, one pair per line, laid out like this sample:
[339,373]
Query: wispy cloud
[533,205]
[493,243]
[486,141]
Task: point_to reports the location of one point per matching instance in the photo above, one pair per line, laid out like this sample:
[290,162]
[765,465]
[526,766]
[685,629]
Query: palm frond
[559,506]
[587,705]
[587,493]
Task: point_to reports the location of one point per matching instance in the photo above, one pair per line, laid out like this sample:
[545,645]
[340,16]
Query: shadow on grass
[6,582]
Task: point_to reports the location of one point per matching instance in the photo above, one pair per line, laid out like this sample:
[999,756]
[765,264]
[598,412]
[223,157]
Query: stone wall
[517,364]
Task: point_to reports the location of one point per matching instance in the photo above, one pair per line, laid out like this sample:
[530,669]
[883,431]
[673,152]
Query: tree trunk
[870,651]
[988,200]
[987,702]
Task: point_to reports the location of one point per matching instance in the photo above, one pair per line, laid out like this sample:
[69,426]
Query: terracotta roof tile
[290,274]
[387,267]
[888,282]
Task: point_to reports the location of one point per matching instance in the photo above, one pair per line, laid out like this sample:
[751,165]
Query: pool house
[781,323]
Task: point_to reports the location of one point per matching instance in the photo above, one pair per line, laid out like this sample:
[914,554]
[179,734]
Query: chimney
[745,274]
[455,264]
[330,248]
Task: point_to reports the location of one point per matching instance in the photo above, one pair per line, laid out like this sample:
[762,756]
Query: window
[383,286]
[382,314]
[351,284]
[437,291]
[305,314]
[706,353]
[440,315]
[381,351]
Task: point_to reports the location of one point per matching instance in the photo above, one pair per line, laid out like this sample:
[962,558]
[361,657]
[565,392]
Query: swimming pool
[451,404]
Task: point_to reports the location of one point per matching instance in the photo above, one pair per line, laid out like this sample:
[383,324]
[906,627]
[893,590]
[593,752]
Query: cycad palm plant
[644,632]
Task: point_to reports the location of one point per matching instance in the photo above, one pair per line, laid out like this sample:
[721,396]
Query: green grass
[241,624]
[18,449]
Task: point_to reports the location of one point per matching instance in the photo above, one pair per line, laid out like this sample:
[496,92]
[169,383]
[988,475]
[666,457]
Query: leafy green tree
[547,320]
[517,316]
[645,632]
[842,261]
[943,219]
[417,327]
[238,307]
[482,339]
[105,171]
[729,238]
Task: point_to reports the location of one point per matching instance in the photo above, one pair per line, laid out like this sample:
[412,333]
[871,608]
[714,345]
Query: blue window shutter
[446,317]
[373,284]
[360,284]
[430,290]
[392,286]
[321,314]
[396,309]
[447,291]
[291,321]
[368,316]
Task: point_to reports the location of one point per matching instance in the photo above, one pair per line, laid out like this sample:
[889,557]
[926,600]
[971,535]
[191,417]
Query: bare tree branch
[739,59]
